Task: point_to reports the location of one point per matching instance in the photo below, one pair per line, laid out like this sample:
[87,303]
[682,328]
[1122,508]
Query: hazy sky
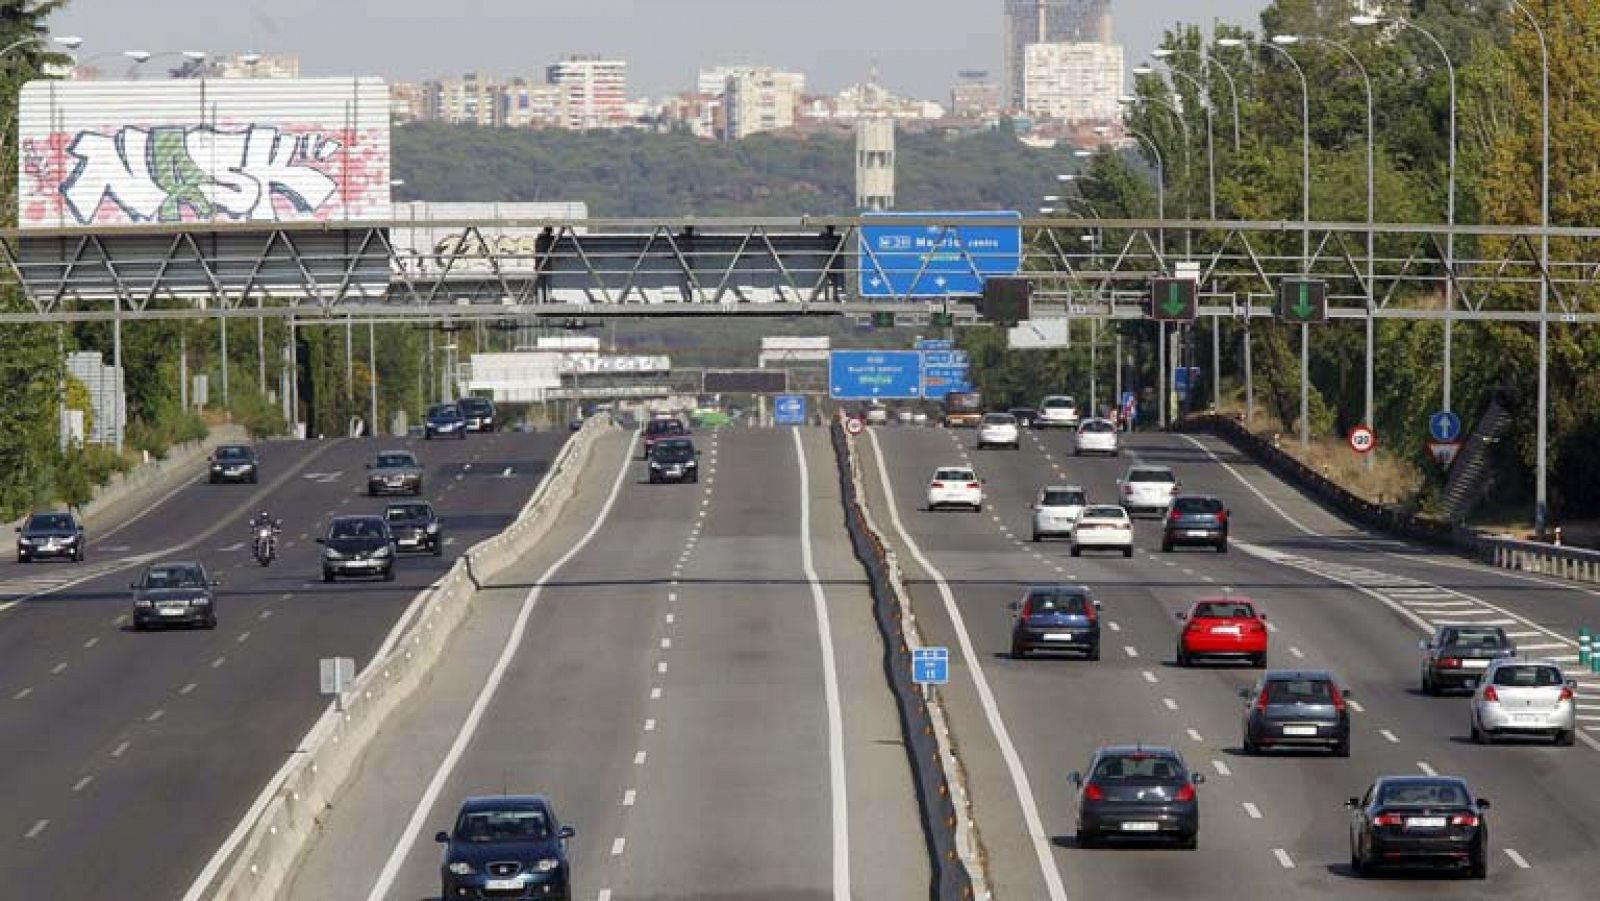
[919,44]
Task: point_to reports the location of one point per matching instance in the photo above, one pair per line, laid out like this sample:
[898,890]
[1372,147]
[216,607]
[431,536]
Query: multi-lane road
[130,756]
[1273,826]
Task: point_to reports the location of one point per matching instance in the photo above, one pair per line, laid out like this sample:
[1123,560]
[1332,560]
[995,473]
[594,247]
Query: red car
[1226,627]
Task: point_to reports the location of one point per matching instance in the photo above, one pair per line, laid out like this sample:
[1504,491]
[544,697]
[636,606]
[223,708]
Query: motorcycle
[266,545]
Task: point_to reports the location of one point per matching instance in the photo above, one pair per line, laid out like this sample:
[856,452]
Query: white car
[999,430]
[1102,527]
[1147,489]
[1096,436]
[1056,510]
[1524,697]
[1057,411]
[877,414]
[955,486]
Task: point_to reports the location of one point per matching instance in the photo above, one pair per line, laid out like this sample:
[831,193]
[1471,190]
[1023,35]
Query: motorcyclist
[264,523]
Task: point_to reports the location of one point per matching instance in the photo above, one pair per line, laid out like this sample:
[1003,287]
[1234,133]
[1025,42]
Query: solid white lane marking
[1543,646]
[628,797]
[37,828]
[1150,677]
[1426,769]
[1221,768]
[1392,738]
[617,845]
[469,727]
[1034,823]
[1284,860]
[1169,703]
[639,758]
[1253,811]
[1517,859]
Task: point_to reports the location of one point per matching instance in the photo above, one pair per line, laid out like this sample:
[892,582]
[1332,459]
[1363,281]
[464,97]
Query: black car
[357,546]
[174,594]
[50,535]
[1457,656]
[1196,519]
[394,472]
[657,429]
[1026,416]
[506,846]
[233,463]
[673,460]
[1056,618]
[1138,791]
[1419,820]
[1295,709]
[479,413]
[415,527]
[444,421]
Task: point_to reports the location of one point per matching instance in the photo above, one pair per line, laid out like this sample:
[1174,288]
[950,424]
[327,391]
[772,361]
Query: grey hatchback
[1457,656]
[1137,791]
[1294,708]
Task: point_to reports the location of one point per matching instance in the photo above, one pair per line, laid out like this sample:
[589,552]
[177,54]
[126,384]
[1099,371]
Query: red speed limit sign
[853,425]
[1362,439]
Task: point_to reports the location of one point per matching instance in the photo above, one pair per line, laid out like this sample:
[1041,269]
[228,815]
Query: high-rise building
[471,99]
[974,96]
[256,65]
[592,92]
[758,100]
[1072,82]
[1049,22]
[875,164]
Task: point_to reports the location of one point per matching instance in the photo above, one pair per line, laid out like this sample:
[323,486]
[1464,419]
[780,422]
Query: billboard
[98,153]
[424,247]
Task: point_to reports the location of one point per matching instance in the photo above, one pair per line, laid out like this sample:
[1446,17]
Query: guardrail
[318,771]
[1576,564]
[949,832]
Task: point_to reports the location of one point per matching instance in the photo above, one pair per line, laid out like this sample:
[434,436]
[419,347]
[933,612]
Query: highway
[704,705]
[130,756]
[1273,826]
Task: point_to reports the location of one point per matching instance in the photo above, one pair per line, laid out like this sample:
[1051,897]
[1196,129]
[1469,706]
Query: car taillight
[1172,516]
[1388,819]
[1464,819]
[1091,792]
[1256,625]
[1127,491]
[1566,694]
[1261,702]
[973,485]
[1449,663]
[1338,698]
[1027,608]
[1186,793]
[936,484]
[1490,696]
[1222,518]
[1089,611]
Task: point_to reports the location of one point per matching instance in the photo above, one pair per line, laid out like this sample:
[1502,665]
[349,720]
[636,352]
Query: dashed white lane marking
[1130,650]
[649,725]
[1150,677]
[243,636]
[1194,735]
[59,668]
[264,614]
[661,667]
[671,618]
[217,663]
[1221,768]
[1354,705]
[156,714]
[188,688]
[1284,860]
[1297,652]
[1517,859]
[617,845]
[37,828]
[639,758]
[1169,703]
[91,642]
[22,695]
[1426,769]
[1390,736]
[605,895]
[1115,627]
[666,643]
[672,596]
[628,797]
[82,784]
[655,693]
[121,749]
[1253,811]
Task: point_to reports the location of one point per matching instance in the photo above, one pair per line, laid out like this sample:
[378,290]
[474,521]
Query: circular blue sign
[1444,426]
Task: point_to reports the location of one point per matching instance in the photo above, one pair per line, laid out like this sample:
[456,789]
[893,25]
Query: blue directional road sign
[1444,426]
[789,409]
[944,371]
[930,666]
[934,344]
[868,374]
[936,260]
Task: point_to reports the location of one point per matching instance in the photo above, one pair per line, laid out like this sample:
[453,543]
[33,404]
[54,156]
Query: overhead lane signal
[1302,301]
[1173,299]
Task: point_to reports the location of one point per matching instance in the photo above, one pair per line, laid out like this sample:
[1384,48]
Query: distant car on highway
[955,486]
[357,546]
[657,429]
[962,409]
[1102,527]
[1137,791]
[1057,411]
[1524,698]
[56,534]
[233,463]
[1458,654]
[1229,628]
[1195,519]
[1419,820]
[1096,436]
[1056,618]
[174,594]
[394,472]
[876,414]
[1294,708]
[479,413]
[415,527]
[999,430]
[506,846]
[674,460]
[1027,417]
[1147,489]
[1056,509]
[444,421]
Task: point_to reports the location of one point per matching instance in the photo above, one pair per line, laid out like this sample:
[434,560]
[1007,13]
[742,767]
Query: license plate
[1058,636]
[501,885]
[1474,664]
[1424,822]
[1224,630]
[174,611]
[1527,717]
[1198,533]
[1299,730]
[1141,827]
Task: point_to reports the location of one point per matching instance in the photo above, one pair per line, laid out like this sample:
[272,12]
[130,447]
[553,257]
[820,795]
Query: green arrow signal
[1302,308]
[1174,305]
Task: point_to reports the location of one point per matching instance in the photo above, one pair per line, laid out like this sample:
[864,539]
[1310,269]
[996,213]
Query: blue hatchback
[1056,618]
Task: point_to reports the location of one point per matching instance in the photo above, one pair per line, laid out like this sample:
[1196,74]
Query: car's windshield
[1104,513]
[1309,691]
[1475,638]
[1137,766]
[1423,794]
[1151,475]
[161,577]
[1222,610]
[233,453]
[51,522]
[361,527]
[398,512]
[954,475]
[1049,600]
[1521,676]
[1063,499]
[676,449]
[443,411]
[1098,426]
[514,825]
[1191,505]
[395,461]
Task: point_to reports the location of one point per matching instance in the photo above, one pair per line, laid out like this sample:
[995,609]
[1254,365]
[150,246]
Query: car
[479,413]
[999,430]
[357,546]
[1102,527]
[955,486]
[673,460]
[394,472]
[1056,618]
[233,463]
[876,414]
[657,429]
[1057,411]
[1055,510]
[1096,436]
[1458,654]
[444,421]
[415,527]
[1195,519]
[1147,489]
[1296,708]
[55,534]
[905,415]
[1428,820]
[1026,416]
[174,594]
[1137,791]
[1524,697]
[1228,627]
[506,846]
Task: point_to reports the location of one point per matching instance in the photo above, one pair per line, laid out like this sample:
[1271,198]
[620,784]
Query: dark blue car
[1196,519]
[1056,618]
[445,420]
[506,846]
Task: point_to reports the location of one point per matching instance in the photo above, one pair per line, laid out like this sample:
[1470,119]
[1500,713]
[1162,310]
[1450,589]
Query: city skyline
[835,42]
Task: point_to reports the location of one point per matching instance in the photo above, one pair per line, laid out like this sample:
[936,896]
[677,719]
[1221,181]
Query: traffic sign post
[1173,299]
[1302,301]
[1362,439]
[930,666]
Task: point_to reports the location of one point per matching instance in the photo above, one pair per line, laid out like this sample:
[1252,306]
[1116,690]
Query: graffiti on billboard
[201,173]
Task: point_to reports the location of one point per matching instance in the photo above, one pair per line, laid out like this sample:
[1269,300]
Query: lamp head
[70,41]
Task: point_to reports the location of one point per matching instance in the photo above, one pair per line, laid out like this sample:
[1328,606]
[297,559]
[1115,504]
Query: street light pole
[1163,53]
[1183,127]
[1305,232]
[1541,507]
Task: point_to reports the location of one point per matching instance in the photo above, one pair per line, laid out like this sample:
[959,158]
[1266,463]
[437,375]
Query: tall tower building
[875,164]
[1049,22]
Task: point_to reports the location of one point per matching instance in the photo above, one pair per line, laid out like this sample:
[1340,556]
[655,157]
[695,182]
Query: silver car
[1147,490]
[1056,510]
[1524,697]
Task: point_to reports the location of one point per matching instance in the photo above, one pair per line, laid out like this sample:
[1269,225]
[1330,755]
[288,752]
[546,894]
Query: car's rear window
[999,419]
[1491,637]
[664,427]
[1530,676]
[1104,513]
[1098,426]
[1151,475]
[1288,691]
[1064,499]
[503,826]
[1222,610]
[955,475]
[1133,766]
[1048,600]
[1423,794]
[1197,505]
[1059,403]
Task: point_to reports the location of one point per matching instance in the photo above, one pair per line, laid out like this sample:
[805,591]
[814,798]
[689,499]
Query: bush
[257,415]
[169,427]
